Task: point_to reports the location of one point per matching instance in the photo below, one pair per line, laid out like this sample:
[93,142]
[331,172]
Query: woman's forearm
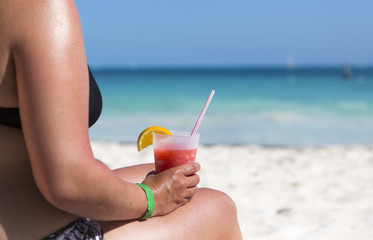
[96,192]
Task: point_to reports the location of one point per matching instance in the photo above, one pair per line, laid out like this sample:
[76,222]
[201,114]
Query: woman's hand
[173,188]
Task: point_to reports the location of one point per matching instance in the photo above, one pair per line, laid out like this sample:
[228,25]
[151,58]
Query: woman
[49,178]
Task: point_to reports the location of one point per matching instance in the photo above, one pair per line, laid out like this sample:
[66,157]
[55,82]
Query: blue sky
[227,33]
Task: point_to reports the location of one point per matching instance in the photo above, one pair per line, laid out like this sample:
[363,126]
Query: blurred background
[285,72]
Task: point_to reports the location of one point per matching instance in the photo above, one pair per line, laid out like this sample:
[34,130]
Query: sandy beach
[282,193]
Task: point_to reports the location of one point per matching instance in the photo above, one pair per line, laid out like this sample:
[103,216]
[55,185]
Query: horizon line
[228,67]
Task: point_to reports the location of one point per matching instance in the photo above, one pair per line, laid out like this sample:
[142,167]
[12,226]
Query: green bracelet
[151,203]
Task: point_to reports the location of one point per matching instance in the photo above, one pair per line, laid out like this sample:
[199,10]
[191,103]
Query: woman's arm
[52,80]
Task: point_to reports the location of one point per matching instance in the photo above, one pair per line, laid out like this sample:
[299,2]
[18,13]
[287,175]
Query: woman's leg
[210,215]
[136,173]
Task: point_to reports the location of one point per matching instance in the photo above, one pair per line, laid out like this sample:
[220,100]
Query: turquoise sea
[253,105]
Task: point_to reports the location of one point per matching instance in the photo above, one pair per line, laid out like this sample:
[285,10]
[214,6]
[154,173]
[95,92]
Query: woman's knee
[219,202]
[221,213]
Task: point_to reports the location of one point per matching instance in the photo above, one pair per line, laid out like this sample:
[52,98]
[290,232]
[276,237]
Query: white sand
[282,193]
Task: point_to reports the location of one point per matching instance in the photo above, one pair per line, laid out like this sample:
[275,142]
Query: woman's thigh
[210,215]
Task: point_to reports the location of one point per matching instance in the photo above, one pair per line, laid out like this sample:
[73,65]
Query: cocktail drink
[174,150]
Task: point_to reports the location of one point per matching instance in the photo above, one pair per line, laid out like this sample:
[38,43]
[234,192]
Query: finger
[191,168]
[150,173]
[190,193]
[193,181]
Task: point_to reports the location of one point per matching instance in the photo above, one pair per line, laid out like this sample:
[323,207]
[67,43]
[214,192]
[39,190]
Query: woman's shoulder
[26,17]
[21,9]
[32,5]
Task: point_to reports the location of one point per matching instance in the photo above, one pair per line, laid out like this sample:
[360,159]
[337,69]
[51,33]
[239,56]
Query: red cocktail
[165,159]
[174,150]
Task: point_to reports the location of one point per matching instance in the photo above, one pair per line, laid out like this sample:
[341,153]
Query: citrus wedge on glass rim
[145,138]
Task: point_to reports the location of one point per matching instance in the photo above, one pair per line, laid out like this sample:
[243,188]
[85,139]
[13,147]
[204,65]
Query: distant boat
[346,72]
[289,63]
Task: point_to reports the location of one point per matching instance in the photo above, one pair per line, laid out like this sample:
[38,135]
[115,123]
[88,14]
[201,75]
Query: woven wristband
[151,203]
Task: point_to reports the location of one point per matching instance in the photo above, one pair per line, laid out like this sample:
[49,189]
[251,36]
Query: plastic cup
[174,150]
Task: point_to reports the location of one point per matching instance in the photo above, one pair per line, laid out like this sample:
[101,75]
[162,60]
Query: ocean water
[263,106]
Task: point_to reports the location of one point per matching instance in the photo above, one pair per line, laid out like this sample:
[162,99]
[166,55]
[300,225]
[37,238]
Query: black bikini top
[11,117]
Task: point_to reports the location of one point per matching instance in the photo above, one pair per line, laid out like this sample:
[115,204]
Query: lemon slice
[146,137]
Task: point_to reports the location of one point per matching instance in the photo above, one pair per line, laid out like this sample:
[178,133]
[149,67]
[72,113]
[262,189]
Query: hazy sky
[229,32]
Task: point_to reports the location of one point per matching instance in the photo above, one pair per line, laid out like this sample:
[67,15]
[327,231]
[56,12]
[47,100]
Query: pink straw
[202,113]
